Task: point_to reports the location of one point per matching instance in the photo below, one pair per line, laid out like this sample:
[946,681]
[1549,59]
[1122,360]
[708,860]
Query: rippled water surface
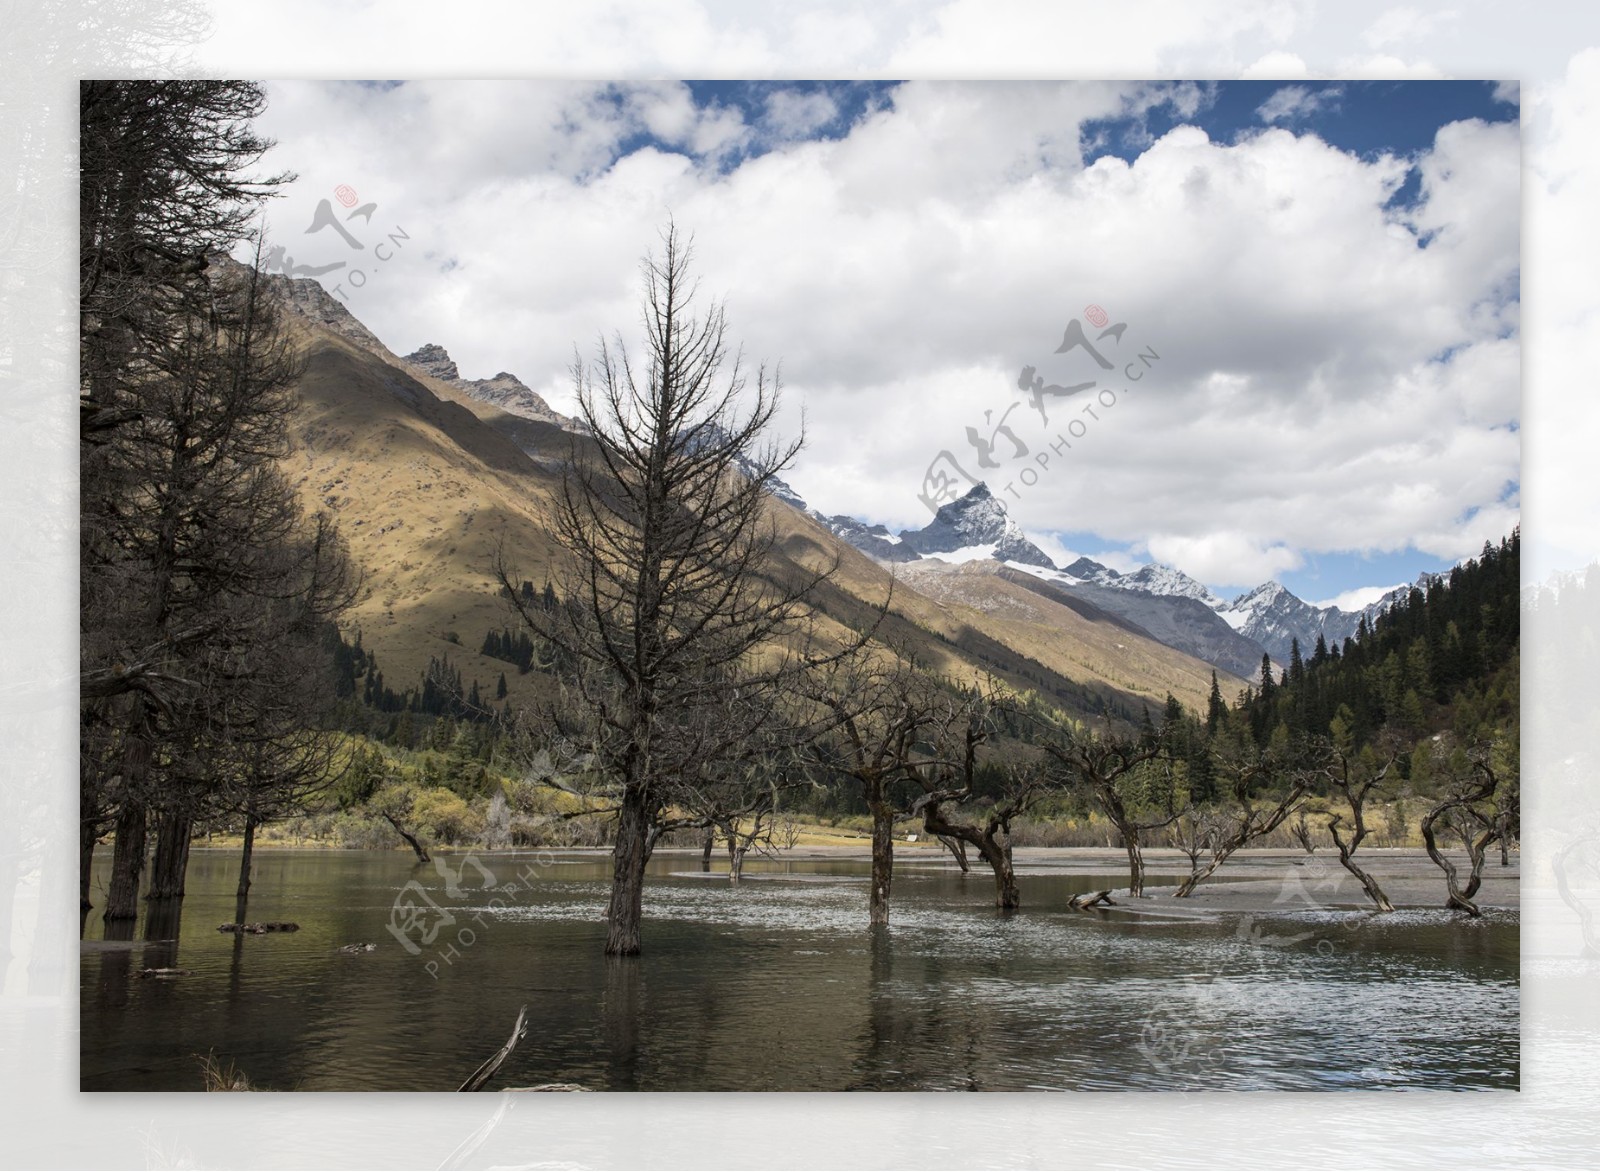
[777,984]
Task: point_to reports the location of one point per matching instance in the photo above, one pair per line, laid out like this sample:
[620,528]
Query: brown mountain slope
[427,484]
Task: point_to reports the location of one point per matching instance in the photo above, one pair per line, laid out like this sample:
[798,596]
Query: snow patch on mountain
[977,519]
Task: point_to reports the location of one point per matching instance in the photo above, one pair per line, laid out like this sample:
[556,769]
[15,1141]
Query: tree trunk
[882,859]
[1460,897]
[959,849]
[411,839]
[172,855]
[87,833]
[1006,896]
[1374,892]
[1347,860]
[1130,843]
[628,858]
[736,863]
[990,848]
[705,851]
[242,896]
[127,864]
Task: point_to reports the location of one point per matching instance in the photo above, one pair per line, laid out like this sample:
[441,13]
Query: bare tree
[949,782]
[681,627]
[1264,789]
[187,521]
[882,711]
[1468,809]
[1301,829]
[1107,769]
[1354,776]
[988,830]
[1196,832]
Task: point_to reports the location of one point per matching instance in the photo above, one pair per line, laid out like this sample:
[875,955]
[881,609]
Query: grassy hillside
[427,484]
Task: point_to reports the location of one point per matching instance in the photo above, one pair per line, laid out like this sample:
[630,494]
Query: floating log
[485,1072]
[355,948]
[1083,903]
[164,972]
[260,928]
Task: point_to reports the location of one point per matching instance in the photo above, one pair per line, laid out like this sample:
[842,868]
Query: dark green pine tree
[1214,707]
[500,688]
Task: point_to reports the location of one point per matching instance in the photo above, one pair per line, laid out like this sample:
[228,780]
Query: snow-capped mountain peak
[977,519]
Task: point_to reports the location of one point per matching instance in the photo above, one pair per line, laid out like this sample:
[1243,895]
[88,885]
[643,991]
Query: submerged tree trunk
[1460,896]
[1130,843]
[411,839]
[127,856]
[87,834]
[172,855]
[882,859]
[1347,859]
[959,849]
[1244,832]
[1006,896]
[706,848]
[989,847]
[628,858]
[127,864]
[242,896]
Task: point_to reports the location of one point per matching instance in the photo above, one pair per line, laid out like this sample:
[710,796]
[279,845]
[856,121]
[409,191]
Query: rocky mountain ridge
[505,390]
[1266,619]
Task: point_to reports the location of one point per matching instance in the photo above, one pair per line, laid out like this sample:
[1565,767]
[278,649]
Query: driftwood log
[1092,899]
[485,1072]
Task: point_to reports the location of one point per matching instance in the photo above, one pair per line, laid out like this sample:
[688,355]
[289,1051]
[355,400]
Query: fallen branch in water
[485,1072]
[1083,903]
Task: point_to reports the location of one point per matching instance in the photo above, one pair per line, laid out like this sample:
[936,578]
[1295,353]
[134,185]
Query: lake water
[777,984]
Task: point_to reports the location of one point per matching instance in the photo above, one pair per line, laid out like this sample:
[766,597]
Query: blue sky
[1329,272]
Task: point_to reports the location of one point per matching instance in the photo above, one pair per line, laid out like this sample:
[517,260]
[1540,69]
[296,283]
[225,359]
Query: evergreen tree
[1215,708]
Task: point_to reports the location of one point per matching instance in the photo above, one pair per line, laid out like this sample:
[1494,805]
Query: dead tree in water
[411,839]
[1468,810]
[881,714]
[1354,777]
[676,581]
[1106,769]
[948,784]
[1250,815]
[1196,832]
[1301,829]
